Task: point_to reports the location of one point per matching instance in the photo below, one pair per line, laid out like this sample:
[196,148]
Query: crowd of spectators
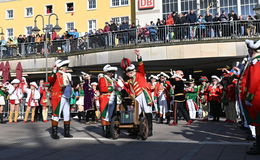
[174,27]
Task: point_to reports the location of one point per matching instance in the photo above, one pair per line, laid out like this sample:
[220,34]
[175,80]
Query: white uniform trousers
[192,109]
[163,104]
[65,109]
[143,106]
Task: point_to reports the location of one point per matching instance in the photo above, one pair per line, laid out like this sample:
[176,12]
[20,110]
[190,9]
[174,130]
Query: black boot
[1,118]
[80,116]
[168,118]
[255,150]
[149,117]
[67,129]
[54,132]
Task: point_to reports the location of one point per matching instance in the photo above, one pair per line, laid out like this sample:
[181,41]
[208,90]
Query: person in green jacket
[192,98]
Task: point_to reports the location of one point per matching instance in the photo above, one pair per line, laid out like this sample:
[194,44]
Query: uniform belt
[179,94]
[106,94]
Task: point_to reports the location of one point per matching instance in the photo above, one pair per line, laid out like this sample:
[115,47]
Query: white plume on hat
[15,81]
[60,63]
[163,74]
[94,83]
[108,68]
[34,84]
[251,44]
[130,68]
[215,77]
[153,77]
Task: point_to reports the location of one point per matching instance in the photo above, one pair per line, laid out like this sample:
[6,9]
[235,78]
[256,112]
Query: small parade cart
[128,118]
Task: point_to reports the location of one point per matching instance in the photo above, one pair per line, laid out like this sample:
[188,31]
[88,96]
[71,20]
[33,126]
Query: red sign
[145,4]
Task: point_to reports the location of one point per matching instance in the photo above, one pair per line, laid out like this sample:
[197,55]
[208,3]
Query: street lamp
[46,30]
[1,33]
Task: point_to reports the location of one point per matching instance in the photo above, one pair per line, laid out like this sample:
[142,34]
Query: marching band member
[250,92]
[80,101]
[139,89]
[96,99]
[60,81]
[191,96]
[2,101]
[203,97]
[153,81]
[45,100]
[179,97]
[88,99]
[107,97]
[15,97]
[163,96]
[215,91]
[32,100]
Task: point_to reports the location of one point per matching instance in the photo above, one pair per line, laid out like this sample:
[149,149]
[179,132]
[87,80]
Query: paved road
[200,141]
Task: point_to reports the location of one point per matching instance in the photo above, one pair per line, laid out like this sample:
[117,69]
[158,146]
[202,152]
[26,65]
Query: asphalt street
[199,141]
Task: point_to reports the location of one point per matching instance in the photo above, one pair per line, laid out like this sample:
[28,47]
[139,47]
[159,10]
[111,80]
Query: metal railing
[137,36]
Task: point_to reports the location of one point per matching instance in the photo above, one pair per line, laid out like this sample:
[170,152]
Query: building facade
[161,8]
[17,16]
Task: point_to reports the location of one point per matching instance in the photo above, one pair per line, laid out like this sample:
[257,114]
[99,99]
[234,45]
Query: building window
[92,4]
[10,32]
[169,7]
[92,24]
[187,5]
[28,12]
[119,20]
[247,7]
[227,6]
[208,5]
[116,3]
[10,14]
[70,26]
[70,7]
[48,9]
[124,2]
[28,30]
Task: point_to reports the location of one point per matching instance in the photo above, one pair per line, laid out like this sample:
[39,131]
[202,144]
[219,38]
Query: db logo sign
[145,4]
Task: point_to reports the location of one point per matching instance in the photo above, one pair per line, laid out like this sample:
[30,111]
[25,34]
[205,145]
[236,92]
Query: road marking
[159,141]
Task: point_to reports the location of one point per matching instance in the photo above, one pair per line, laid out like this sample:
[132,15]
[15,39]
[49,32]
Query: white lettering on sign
[145,4]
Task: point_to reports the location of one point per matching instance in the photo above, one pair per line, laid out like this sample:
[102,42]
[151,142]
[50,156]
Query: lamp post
[46,30]
[1,33]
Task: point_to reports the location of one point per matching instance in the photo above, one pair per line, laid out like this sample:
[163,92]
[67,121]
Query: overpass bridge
[193,58]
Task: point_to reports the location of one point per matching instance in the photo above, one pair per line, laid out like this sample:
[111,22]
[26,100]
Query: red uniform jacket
[214,93]
[106,88]
[250,92]
[167,89]
[138,84]
[56,82]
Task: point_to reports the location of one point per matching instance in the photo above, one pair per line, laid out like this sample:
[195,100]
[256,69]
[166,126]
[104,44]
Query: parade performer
[107,97]
[203,97]
[32,100]
[96,99]
[153,81]
[163,92]
[179,97]
[2,101]
[45,100]
[15,97]
[139,88]
[192,98]
[250,91]
[60,82]
[215,91]
[80,101]
[88,99]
